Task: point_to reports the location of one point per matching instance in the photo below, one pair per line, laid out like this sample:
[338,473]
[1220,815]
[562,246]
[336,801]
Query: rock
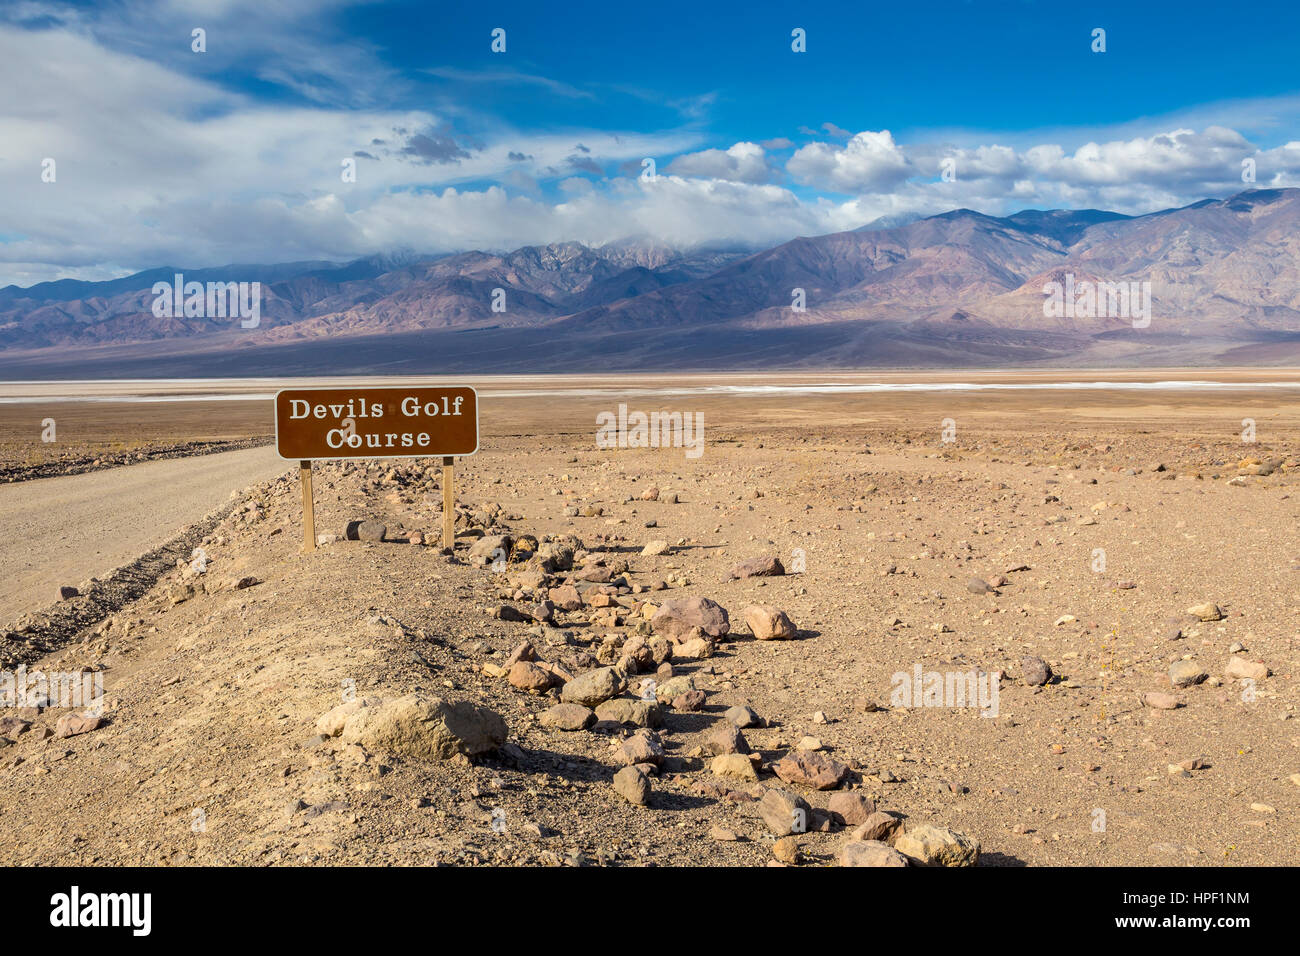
[527,676]
[67,592]
[927,845]
[722,834]
[768,623]
[641,747]
[809,743]
[870,853]
[850,808]
[677,618]
[1065,619]
[633,713]
[743,716]
[1238,668]
[13,726]
[555,557]
[674,687]
[1160,701]
[426,727]
[331,722]
[697,648]
[980,586]
[592,688]
[655,548]
[565,597]
[810,769]
[1206,612]
[734,765]
[650,494]
[724,738]
[508,612]
[783,812]
[633,786]
[692,700]
[878,826]
[1035,672]
[768,565]
[368,530]
[1186,673]
[786,850]
[541,612]
[568,717]
[72,725]
[489,549]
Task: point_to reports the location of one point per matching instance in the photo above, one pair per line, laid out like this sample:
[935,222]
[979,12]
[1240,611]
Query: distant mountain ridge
[961,287]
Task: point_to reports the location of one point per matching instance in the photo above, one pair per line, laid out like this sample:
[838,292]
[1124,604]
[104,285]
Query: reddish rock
[677,618]
[525,675]
[810,769]
[565,597]
[850,808]
[766,566]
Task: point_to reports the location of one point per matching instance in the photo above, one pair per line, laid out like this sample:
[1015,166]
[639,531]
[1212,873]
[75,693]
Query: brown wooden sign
[363,422]
[316,423]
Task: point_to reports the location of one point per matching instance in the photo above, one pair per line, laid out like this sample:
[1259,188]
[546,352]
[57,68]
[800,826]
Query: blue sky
[164,155]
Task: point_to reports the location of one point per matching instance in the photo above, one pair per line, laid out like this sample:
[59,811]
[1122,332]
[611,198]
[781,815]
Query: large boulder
[426,727]
[592,688]
[678,618]
[768,623]
[927,845]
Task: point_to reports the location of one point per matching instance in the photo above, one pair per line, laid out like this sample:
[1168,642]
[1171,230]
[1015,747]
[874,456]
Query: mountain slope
[957,288]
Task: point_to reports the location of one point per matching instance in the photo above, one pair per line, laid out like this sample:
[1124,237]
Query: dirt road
[64,530]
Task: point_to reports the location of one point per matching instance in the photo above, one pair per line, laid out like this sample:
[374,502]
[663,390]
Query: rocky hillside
[963,288]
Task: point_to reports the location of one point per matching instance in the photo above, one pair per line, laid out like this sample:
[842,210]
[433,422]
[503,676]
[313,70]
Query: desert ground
[1124,563]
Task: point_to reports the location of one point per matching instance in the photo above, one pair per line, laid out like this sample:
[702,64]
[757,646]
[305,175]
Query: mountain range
[958,289]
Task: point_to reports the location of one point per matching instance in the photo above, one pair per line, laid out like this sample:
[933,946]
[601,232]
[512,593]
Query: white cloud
[159,164]
[869,162]
[742,163]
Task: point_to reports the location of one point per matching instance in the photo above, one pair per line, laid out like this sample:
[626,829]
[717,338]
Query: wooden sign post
[308,507]
[415,422]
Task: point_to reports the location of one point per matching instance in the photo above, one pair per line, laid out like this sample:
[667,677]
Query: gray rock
[743,716]
[568,717]
[592,688]
[633,786]
[368,530]
[489,548]
[870,853]
[1186,673]
[426,727]
[629,712]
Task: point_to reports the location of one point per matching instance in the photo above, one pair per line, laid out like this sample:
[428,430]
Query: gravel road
[64,530]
